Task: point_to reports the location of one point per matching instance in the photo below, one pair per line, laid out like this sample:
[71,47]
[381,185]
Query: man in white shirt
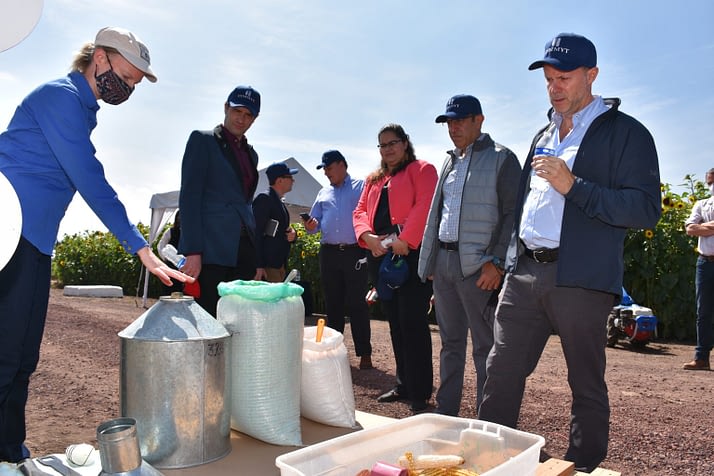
[701,224]
[591,174]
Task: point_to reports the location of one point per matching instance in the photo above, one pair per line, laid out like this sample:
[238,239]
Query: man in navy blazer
[219,176]
[272,223]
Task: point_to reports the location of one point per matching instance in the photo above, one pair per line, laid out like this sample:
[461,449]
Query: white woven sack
[266,346]
[326,393]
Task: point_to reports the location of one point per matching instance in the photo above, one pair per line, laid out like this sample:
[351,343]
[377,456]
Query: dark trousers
[212,274]
[344,282]
[531,307]
[24,295]
[704,281]
[408,314]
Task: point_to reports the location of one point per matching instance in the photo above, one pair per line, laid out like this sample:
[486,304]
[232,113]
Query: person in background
[343,266]
[47,155]
[464,245]
[701,224]
[272,223]
[219,176]
[167,249]
[394,203]
[591,173]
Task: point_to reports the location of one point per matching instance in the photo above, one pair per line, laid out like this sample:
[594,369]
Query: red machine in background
[629,321]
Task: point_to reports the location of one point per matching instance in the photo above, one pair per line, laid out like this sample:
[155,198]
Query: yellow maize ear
[408,461]
[445,472]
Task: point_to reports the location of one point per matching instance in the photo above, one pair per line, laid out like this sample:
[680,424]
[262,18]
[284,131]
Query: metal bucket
[174,383]
[118,445]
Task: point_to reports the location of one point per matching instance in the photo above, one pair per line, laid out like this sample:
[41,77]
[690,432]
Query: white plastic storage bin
[488,448]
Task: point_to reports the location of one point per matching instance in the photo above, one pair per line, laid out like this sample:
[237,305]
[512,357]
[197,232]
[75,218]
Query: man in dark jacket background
[219,176]
[591,173]
[272,224]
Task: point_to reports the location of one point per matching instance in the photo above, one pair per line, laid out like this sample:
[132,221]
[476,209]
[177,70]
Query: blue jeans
[704,281]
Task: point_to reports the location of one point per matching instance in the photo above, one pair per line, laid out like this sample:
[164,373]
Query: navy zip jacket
[617,187]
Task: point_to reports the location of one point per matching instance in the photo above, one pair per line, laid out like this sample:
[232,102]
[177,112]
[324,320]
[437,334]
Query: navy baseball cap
[567,52]
[393,273]
[245,96]
[279,169]
[330,157]
[460,106]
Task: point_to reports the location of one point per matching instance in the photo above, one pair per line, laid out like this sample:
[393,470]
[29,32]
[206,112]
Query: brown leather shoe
[365,362]
[697,365]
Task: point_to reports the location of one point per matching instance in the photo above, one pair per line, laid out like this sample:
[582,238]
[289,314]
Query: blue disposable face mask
[112,89]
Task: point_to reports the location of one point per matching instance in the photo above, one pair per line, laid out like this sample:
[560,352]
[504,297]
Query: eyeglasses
[389,144]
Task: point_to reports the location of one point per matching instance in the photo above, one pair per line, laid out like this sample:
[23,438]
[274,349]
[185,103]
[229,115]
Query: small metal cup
[118,445]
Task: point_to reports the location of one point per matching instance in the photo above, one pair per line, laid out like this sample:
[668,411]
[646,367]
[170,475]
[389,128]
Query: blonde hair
[83,58]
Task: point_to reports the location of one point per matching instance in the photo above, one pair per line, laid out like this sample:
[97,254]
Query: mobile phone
[386,242]
[305,216]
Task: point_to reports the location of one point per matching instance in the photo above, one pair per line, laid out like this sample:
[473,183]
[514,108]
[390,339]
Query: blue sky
[332,73]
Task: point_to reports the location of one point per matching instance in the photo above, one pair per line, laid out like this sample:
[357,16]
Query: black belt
[707,258]
[545,255]
[340,246]
[449,246]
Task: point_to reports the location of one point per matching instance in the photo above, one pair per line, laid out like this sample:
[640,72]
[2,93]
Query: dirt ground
[661,421]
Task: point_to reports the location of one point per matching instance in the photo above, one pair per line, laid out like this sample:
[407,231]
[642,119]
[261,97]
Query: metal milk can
[175,383]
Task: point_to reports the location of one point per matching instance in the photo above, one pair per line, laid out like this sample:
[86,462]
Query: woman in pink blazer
[395,201]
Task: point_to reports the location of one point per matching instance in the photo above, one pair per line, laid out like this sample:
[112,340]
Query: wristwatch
[497,262]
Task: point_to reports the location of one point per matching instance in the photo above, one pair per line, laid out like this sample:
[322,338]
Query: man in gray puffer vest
[464,245]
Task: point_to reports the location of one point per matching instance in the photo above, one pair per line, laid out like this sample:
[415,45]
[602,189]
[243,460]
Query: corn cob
[445,472]
[408,461]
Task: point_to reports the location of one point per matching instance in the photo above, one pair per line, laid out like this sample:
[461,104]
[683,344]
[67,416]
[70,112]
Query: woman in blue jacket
[47,155]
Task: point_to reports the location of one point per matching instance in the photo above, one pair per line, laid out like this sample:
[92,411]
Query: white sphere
[81,454]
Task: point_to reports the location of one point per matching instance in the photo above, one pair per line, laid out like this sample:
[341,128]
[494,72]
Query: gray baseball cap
[129,46]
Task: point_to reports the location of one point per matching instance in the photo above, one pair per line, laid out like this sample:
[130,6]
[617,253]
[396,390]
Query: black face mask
[112,89]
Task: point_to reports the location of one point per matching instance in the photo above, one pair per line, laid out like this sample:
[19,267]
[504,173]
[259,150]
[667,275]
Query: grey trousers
[460,307]
[531,307]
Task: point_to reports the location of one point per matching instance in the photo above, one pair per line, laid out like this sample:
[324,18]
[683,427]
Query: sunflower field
[660,263]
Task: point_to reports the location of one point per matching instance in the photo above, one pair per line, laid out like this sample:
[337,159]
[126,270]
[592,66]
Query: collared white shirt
[702,212]
[541,221]
[452,190]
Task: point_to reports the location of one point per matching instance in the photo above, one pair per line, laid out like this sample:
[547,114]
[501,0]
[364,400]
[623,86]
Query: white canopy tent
[164,205]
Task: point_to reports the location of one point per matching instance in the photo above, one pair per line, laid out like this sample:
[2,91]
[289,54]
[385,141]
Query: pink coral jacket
[410,194]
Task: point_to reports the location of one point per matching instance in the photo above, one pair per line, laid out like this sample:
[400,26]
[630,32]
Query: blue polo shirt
[47,155]
[333,209]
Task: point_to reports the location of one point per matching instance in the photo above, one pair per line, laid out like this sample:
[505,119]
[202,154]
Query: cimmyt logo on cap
[144,53]
[556,48]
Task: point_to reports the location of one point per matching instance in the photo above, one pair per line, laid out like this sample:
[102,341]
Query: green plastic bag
[260,290]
